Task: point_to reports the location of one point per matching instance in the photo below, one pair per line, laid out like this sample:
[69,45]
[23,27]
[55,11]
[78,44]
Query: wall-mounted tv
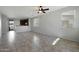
[24,22]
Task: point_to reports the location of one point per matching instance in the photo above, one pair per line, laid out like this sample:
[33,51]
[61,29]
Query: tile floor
[35,42]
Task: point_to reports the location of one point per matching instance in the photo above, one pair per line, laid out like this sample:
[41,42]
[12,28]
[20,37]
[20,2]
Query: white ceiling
[24,11]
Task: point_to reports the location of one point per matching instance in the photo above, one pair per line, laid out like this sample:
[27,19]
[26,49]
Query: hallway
[35,42]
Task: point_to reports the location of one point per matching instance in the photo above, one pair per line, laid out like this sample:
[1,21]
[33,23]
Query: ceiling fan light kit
[39,11]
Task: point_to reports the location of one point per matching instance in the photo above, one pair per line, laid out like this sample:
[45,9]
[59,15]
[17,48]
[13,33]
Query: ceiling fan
[42,10]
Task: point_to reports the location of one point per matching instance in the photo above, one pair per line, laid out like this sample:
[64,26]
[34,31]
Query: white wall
[51,24]
[5,24]
[19,28]
[0,26]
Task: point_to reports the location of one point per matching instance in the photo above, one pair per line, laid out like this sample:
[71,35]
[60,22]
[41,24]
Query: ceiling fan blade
[38,12]
[46,9]
[43,11]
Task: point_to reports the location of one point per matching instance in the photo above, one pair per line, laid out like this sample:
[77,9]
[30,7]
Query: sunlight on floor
[54,43]
[36,39]
[11,36]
